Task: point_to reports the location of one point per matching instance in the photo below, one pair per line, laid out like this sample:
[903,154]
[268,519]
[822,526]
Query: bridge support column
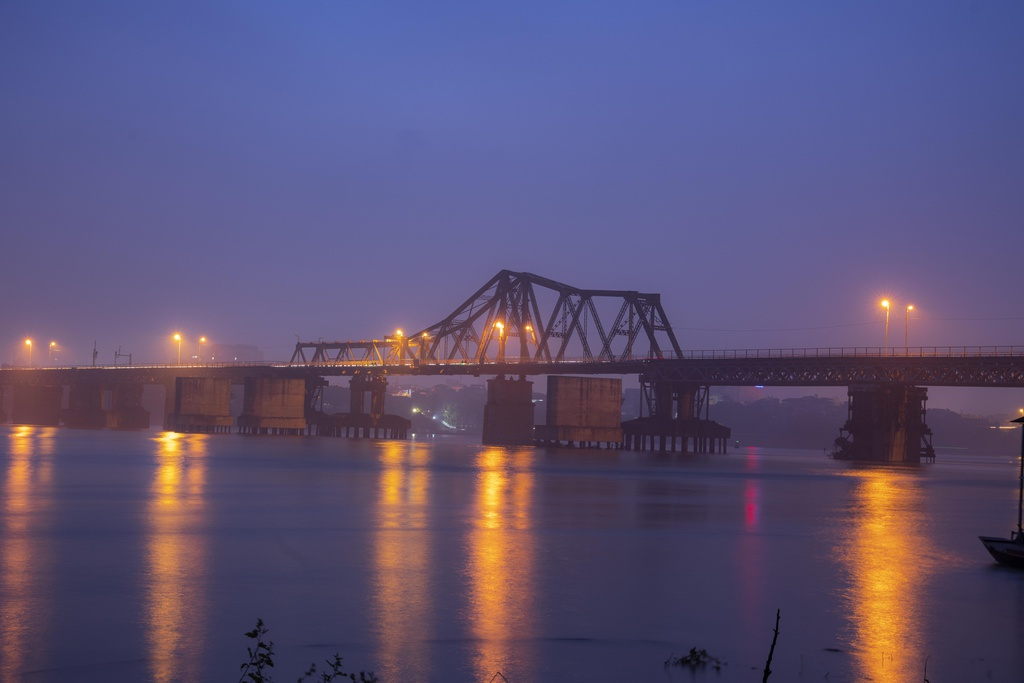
[201,405]
[886,423]
[585,411]
[85,406]
[508,413]
[97,406]
[674,420]
[126,411]
[359,424]
[37,404]
[374,385]
[273,406]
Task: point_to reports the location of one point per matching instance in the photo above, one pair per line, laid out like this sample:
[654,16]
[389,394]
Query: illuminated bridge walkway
[521,325]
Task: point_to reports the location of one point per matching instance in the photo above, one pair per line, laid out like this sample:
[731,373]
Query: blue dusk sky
[259,172]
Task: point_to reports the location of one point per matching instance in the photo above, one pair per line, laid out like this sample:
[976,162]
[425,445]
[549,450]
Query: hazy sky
[257,171]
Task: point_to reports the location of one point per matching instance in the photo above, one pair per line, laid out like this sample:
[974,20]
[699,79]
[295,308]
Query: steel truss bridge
[523,324]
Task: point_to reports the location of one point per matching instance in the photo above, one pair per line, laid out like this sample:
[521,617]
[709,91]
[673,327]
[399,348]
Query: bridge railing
[726,354]
[859,352]
[733,354]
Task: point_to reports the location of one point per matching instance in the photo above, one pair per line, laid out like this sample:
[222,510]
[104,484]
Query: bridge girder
[820,371]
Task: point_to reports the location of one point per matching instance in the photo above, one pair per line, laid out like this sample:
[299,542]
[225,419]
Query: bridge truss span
[520,318]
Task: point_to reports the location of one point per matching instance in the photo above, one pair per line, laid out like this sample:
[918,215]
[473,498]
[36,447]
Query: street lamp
[49,353]
[885,305]
[906,332]
[199,353]
[177,338]
[28,343]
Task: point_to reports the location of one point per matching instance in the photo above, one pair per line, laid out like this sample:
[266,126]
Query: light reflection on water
[888,568]
[175,557]
[23,558]
[402,563]
[501,547]
[454,561]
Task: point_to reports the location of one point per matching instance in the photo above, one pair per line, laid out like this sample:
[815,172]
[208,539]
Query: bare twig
[768,664]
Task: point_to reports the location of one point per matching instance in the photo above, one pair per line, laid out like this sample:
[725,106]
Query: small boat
[1010,551]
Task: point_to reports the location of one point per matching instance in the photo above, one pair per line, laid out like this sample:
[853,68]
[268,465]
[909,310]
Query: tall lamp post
[199,356]
[906,332]
[49,353]
[177,338]
[885,305]
[28,343]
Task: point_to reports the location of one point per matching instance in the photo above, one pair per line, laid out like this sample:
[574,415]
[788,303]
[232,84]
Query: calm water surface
[146,556]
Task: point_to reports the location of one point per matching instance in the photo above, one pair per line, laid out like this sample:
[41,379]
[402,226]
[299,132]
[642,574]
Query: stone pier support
[273,406]
[37,404]
[97,406]
[886,423]
[674,420]
[201,405]
[374,385]
[508,413]
[126,411]
[359,424]
[582,411]
[85,406]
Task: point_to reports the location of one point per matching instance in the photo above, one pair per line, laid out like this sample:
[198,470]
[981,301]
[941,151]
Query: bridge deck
[950,366]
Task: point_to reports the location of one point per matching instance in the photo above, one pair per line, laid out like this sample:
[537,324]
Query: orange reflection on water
[501,556]
[175,556]
[22,604]
[402,594]
[888,563]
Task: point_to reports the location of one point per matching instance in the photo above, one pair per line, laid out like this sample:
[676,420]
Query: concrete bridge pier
[201,405]
[375,424]
[359,424]
[361,385]
[126,411]
[886,423]
[273,406]
[85,406]
[37,404]
[508,413]
[92,405]
[674,420]
[583,411]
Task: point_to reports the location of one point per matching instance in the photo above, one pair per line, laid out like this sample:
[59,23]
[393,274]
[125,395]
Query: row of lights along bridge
[886,304]
[199,350]
[29,344]
[49,351]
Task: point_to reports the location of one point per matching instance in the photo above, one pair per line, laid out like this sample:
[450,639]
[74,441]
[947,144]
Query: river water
[145,556]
